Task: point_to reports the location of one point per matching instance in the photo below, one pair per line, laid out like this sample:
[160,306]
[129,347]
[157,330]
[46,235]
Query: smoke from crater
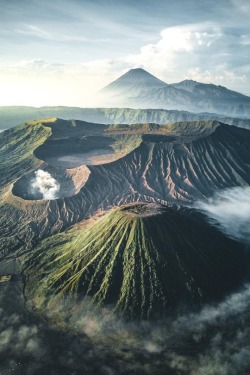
[45,184]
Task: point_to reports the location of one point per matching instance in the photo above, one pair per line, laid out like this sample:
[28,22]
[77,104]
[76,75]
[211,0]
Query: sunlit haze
[62,53]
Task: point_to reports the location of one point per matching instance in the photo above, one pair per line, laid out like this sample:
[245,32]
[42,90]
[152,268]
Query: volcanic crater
[140,209]
[53,183]
[173,164]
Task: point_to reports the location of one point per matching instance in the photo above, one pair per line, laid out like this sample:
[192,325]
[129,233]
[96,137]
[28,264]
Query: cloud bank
[230,209]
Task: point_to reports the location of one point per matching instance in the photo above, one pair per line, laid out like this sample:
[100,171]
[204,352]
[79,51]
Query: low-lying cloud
[214,340]
[230,209]
[45,184]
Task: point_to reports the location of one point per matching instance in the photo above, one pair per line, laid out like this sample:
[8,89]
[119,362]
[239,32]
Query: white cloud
[41,33]
[36,31]
[245,39]
[208,52]
[217,76]
[230,208]
[242,5]
[177,48]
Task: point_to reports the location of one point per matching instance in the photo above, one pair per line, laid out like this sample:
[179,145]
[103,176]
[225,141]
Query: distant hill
[12,116]
[139,89]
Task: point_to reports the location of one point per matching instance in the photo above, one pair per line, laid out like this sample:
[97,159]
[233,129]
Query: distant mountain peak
[186,84]
[189,81]
[135,78]
[138,88]
[140,72]
[137,70]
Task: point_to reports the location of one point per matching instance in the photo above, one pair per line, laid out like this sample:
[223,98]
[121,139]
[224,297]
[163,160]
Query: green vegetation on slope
[186,129]
[16,150]
[163,168]
[142,259]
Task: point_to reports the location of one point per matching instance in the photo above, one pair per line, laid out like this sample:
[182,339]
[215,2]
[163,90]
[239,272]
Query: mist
[45,184]
[214,340]
[229,209]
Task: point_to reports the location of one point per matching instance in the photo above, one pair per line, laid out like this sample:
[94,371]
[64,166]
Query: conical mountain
[139,89]
[137,78]
[142,259]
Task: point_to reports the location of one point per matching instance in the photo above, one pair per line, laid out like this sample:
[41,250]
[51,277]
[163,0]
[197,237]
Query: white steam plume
[45,184]
[230,209]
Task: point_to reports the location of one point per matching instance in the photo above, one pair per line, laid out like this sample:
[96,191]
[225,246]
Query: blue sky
[62,52]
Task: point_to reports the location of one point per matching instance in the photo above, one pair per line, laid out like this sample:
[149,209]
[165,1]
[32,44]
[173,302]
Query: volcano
[135,79]
[144,260]
[140,89]
[99,167]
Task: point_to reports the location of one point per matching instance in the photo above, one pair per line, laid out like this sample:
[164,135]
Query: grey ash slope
[187,95]
[176,163]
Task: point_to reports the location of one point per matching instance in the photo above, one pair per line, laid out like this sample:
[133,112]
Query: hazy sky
[62,52]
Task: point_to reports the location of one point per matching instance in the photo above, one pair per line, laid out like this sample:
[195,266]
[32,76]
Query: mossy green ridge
[17,147]
[143,259]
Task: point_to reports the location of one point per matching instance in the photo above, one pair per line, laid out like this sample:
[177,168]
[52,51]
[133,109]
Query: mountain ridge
[189,162]
[185,95]
[12,116]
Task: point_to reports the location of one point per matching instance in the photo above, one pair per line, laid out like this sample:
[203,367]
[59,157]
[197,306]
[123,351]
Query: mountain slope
[175,163]
[135,88]
[135,79]
[131,88]
[187,95]
[206,90]
[143,259]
